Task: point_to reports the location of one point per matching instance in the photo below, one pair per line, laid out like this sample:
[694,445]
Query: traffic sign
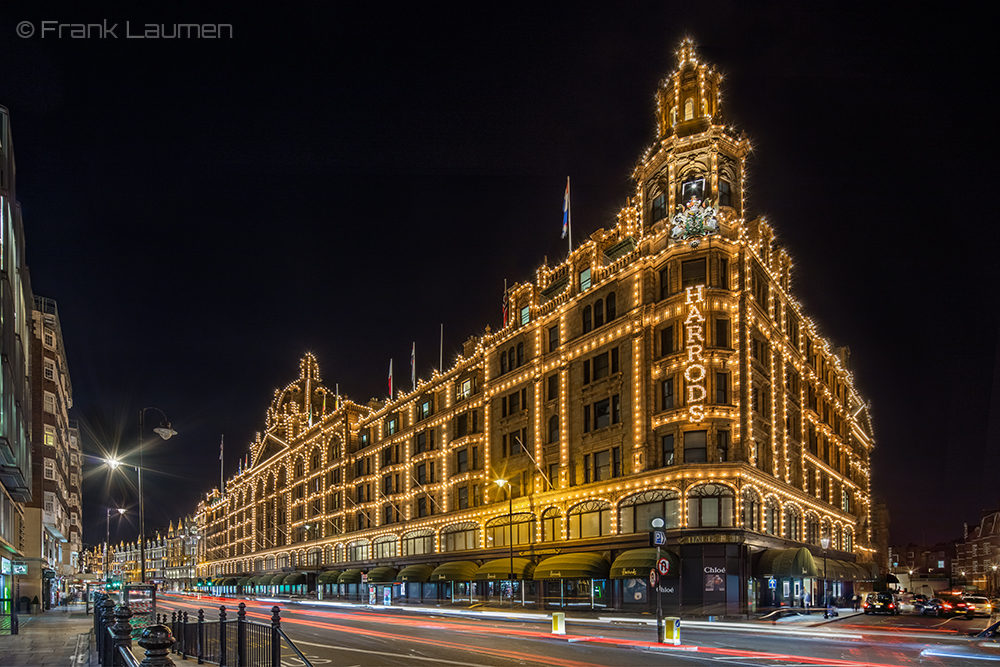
[772,584]
[659,538]
[663,566]
[653,577]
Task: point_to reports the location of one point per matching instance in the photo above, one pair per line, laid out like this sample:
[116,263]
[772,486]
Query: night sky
[345,181]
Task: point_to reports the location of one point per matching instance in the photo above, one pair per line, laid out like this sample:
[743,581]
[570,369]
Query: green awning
[351,576]
[278,579]
[415,573]
[381,575]
[265,580]
[459,570]
[796,563]
[252,581]
[294,579]
[244,581]
[573,566]
[500,569]
[228,581]
[637,563]
[328,577]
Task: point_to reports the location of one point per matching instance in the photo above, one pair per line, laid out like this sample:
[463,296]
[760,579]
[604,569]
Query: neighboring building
[923,569]
[182,544]
[664,370]
[52,518]
[977,558]
[15,396]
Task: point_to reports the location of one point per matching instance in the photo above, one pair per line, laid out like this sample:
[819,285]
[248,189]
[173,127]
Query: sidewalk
[60,636]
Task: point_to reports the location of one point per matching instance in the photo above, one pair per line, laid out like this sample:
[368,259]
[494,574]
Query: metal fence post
[157,641]
[222,635]
[275,637]
[241,635]
[174,617]
[201,636]
[107,620]
[122,631]
[184,634]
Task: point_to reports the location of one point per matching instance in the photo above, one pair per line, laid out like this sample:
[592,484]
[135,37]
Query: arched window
[793,523]
[511,359]
[333,451]
[598,313]
[506,530]
[588,319]
[659,210]
[503,363]
[282,480]
[826,530]
[750,510]
[554,428]
[848,540]
[460,537]
[520,354]
[610,306]
[637,512]
[313,557]
[418,542]
[812,528]
[771,516]
[673,116]
[358,550]
[688,109]
[300,467]
[710,505]
[315,460]
[385,546]
[590,519]
[551,525]
[270,484]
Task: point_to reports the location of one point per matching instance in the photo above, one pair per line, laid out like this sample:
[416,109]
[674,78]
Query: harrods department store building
[664,369]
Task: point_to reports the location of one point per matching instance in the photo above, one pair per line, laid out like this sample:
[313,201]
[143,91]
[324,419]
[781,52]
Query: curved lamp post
[510,532]
[165,432]
[825,543]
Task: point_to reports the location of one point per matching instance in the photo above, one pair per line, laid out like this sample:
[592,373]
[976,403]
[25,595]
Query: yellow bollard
[558,623]
[672,631]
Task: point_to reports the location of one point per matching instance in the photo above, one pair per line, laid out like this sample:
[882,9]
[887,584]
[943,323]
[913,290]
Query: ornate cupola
[696,168]
[688,100]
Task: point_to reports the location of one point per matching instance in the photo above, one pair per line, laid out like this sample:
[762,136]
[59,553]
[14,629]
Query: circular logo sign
[652,577]
[663,566]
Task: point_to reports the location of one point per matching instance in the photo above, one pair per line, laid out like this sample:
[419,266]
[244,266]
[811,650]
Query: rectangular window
[616,409]
[552,389]
[723,446]
[421,507]
[722,333]
[553,338]
[424,409]
[614,360]
[602,466]
[696,447]
[693,272]
[601,366]
[667,394]
[659,207]
[725,193]
[463,498]
[50,339]
[602,413]
[585,280]
[667,449]
[391,425]
[50,403]
[722,388]
[695,188]
[465,389]
[50,436]
[50,369]
[586,419]
[667,341]
[514,403]
[760,287]
[50,469]
[724,272]
[525,315]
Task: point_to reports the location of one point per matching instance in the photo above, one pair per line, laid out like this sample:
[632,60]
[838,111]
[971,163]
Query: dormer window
[688,109]
[725,193]
[585,280]
[694,187]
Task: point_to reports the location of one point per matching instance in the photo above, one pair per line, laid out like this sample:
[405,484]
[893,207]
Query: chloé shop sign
[694,365]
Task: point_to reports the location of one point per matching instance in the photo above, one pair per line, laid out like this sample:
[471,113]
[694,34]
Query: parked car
[880,603]
[977,605]
[947,605]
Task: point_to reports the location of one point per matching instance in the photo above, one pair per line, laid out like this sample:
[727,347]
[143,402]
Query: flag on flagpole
[413,365]
[566,210]
[222,443]
[505,302]
[390,379]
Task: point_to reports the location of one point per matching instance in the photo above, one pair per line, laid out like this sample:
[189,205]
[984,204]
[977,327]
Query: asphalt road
[346,636]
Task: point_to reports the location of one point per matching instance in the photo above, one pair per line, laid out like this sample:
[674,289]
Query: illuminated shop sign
[694,365]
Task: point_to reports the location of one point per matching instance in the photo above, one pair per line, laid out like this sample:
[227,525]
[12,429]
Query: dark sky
[343,181]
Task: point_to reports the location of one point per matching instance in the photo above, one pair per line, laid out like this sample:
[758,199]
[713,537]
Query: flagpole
[413,365]
[569,212]
[441,357]
[222,484]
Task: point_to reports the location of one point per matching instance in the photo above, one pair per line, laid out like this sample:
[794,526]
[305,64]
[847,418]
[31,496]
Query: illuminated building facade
[663,370]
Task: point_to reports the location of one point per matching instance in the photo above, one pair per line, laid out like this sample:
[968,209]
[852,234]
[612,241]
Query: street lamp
[510,532]
[107,540]
[165,432]
[994,580]
[825,543]
[660,636]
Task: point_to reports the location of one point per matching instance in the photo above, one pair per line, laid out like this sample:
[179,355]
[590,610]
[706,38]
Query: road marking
[393,655]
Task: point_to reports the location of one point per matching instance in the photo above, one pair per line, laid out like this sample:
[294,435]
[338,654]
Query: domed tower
[696,156]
